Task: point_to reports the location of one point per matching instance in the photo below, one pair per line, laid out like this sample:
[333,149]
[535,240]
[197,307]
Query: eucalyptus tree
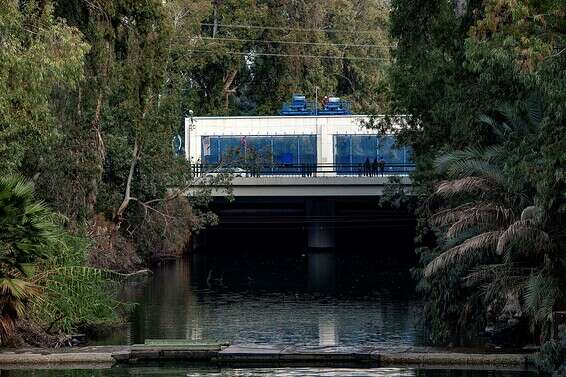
[38,54]
[116,127]
[337,47]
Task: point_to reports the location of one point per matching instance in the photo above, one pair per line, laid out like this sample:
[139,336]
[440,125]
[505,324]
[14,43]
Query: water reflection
[314,299]
[327,331]
[322,272]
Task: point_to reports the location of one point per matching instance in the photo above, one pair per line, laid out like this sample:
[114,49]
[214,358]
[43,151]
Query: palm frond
[482,217]
[485,273]
[497,280]
[524,231]
[487,120]
[514,120]
[82,272]
[477,168]
[535,110]
[541,294]
[448,189]
[494,153]
[450,215]
[443,162]
[14,294]
[458,239]
[469,251]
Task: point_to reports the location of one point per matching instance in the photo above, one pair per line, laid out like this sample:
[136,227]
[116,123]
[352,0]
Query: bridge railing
[304,170]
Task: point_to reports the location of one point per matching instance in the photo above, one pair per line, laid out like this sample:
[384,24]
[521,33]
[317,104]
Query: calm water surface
[314,299]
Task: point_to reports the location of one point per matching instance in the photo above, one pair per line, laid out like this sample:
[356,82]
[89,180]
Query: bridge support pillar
[198,241]
[320,232]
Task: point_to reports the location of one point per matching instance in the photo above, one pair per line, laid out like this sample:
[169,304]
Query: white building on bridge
[284,143]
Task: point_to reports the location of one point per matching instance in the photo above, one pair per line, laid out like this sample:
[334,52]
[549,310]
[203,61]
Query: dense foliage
[552,356]
[137,68]
[26,231]
[92,94]
[483,82]
[43,273]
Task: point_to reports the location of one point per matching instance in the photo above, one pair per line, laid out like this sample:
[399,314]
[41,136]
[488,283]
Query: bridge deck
[312,186]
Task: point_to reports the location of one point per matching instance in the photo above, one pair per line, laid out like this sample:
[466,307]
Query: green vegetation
[483,82]
[26,230]
[552,356]
[43,270]
[74,295]
[92,94]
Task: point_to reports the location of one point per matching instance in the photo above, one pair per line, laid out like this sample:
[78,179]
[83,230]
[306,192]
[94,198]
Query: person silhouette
[374,167]
[367,167]
[381,165]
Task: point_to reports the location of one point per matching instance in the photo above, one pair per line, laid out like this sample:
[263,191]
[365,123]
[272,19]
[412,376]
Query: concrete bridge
[296,172]
[320,185]
[311,186]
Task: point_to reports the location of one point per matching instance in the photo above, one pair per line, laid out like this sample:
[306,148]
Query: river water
[295,298]
[310,298]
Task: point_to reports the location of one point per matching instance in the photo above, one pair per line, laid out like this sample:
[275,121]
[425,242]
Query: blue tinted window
[231,149]
[209,149]
[388,151]
[307,149]
[258,149]
[343,153]
[364,147]
[273,153]
[285,153]
[391,153]
[352,151]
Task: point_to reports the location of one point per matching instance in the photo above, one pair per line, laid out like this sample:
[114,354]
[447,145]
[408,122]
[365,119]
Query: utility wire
[333,57]
[294,42]
[257,27]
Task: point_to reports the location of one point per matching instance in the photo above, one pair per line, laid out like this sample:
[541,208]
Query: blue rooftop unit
[335,106]
[301,106]
[298,106]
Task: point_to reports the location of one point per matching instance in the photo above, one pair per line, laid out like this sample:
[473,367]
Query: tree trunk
[215,26]
[98,146]
[119,215]
[227,89]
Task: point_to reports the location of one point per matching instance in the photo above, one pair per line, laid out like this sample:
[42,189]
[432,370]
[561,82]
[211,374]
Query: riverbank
[255,355]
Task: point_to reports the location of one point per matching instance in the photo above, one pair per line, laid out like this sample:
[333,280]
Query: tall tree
[455,61]
[38,55]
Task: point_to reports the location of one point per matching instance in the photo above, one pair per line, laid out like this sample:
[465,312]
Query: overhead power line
[258,27]
[333,57]
[294,42]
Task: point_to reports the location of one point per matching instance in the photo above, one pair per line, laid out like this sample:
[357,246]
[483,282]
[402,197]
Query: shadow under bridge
[299,223]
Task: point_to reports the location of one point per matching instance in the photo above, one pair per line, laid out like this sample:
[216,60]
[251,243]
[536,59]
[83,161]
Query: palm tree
[479,208]
[26,231]
[490,228]
[60,292]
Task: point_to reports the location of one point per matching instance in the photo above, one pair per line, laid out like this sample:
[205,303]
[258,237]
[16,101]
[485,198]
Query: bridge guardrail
[303,170]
